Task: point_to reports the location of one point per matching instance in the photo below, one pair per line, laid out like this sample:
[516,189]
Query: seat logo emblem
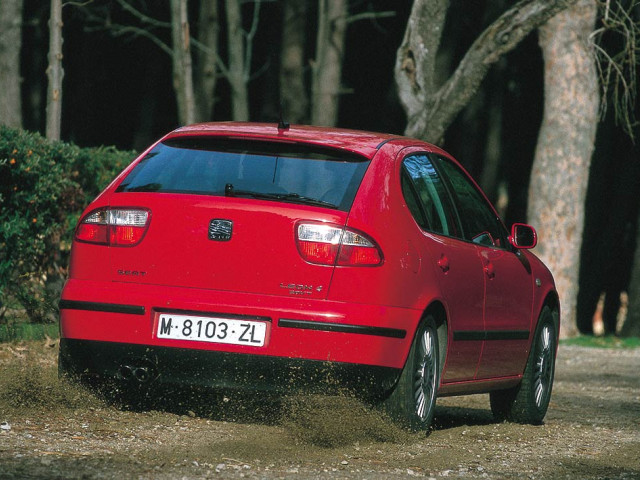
[220,230]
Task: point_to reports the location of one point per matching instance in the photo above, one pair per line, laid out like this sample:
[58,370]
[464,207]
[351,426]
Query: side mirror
[523,236]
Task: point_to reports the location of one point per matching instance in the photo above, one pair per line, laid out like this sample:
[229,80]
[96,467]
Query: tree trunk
[205,73]
[327,68]
[55,73]
[182,68]
[10,45]
[631,326]
[293,93]
[237,68]
[415,69]
[150,100]
[430,107]
[563,155]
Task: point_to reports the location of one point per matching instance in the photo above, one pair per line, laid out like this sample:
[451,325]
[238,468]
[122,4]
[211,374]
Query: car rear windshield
[287,172]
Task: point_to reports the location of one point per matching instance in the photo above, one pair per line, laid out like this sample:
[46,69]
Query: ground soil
[52,429]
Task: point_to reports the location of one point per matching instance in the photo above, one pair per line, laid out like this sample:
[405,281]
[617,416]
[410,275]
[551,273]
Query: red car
[276,258]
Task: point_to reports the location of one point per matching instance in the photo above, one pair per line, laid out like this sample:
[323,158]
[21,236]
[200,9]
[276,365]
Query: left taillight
[120,227]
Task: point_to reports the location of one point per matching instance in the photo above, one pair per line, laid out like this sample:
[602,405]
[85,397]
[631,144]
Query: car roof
[360,142]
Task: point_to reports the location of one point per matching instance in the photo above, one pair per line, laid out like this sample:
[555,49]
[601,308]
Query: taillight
[333,245]
[122,227]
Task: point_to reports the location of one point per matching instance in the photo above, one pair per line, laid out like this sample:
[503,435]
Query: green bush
[44,187]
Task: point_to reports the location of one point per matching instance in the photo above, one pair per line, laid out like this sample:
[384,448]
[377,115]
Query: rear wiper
[148,187]
[229,191]
[302,199]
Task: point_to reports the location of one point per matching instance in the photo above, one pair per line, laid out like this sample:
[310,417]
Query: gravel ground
[50,429]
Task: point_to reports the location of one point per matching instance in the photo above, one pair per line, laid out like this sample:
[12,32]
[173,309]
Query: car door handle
[490,270]
[443,263]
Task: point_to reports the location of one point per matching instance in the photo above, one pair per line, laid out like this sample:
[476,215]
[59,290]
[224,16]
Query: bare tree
[240,49]
[293,94]
[182,67]
[100,18]
[327,67]
[55,73]
[237,69]
[566,140]
[618,77]
[10,44]
[205,74]
[617,68]
[431,106]
[560,174]
[631,326]
[326,82]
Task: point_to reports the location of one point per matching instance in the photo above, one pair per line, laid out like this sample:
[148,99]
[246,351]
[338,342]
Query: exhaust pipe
[126,372]
[142,374]
[138,370]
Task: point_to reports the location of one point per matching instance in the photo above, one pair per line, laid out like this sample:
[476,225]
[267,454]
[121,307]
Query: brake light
[122,227]
[333,245]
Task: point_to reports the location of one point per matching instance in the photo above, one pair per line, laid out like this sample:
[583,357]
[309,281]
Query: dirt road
[54,430]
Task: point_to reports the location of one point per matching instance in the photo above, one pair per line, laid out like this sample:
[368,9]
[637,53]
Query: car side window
[480,223]
[426,195]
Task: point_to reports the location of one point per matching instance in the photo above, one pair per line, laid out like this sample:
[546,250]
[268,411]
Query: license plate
[210,329]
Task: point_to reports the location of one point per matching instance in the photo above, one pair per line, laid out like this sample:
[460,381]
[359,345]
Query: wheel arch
[552,301]
[437,310]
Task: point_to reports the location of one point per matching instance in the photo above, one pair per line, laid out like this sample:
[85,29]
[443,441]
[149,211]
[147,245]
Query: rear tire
[413,400]
[528,402]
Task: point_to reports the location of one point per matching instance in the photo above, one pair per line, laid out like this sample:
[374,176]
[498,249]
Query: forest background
[537,99]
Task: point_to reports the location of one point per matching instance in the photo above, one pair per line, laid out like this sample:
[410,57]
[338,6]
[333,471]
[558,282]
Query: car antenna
[282,125]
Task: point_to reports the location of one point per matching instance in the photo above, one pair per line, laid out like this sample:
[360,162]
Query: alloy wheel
[544,365]
[424,385]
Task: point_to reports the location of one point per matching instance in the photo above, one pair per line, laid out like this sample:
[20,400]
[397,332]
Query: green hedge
[44,186]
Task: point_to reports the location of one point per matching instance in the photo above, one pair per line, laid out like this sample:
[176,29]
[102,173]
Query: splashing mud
[338,421]
[34,385]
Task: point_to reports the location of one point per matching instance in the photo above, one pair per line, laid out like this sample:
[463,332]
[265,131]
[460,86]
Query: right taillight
[334,245]
[122,227]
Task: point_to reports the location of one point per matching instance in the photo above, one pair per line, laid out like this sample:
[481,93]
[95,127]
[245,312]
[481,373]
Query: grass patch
[23,331]
[608,341]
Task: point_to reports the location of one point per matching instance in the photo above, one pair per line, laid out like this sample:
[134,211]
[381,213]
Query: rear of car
[230,257]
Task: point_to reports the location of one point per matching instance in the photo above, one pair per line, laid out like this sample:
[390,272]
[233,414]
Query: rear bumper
[308,341]
[167,367]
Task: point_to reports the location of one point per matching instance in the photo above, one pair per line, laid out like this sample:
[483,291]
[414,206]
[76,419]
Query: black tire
[413,400]
[528,402]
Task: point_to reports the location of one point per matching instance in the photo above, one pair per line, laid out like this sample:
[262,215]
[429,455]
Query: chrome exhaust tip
[141,374]
[126,372]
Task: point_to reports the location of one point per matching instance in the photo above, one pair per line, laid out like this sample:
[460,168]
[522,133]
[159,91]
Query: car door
[457,264]
[508,279]
[507,312]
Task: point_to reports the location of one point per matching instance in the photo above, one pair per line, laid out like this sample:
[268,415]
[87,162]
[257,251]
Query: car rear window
[278,171]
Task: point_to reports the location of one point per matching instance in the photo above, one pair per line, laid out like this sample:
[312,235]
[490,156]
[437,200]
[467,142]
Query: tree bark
[10,45]
[55,73]
[415,69]
[206,72]
[631,326]
[237,68]
[430,107]
[327,68]
[565,144]
[182,66]
[293,94]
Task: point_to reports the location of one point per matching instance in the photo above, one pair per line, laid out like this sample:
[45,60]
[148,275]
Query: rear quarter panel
[405,279]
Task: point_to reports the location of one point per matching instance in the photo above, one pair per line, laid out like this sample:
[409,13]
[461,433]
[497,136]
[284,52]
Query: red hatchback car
[249,256]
